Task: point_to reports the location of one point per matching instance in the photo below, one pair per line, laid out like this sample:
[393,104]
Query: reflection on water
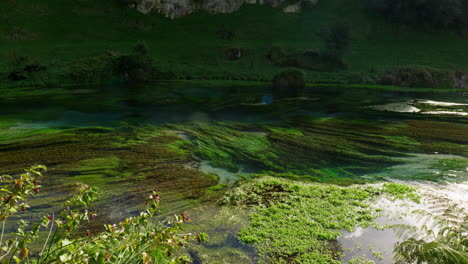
[172,103]
[436,198]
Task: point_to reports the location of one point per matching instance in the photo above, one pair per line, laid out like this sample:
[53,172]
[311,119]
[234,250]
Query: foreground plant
[443,241]
[135,240]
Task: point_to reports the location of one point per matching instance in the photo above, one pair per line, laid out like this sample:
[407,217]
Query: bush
[92,69]
[425,14]
[137,68]
[135,240]
[414,76]
[311,60]
[337,40]
[22,68]
[290,82]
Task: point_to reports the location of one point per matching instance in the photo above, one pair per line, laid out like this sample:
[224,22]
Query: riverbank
[191,47]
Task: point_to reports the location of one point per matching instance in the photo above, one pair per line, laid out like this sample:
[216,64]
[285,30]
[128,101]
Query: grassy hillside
[58,33]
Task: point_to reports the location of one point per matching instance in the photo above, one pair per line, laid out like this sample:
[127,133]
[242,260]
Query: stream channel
[191,141]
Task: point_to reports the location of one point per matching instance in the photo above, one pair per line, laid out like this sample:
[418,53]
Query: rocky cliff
[180,8]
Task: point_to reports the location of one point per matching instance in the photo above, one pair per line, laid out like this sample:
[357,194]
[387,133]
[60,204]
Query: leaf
[17,259]
[65,257]
[65,242]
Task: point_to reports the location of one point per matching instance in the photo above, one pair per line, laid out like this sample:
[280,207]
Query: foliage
[98,26]
[294,222]
[421,13]
[22,68]
[137,68]
[92,69]
[338,40]
[417,76]
[289,81]
[134,240]
[448,245]
[310,60]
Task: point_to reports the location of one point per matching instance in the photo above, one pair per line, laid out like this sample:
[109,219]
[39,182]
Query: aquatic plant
[296,222]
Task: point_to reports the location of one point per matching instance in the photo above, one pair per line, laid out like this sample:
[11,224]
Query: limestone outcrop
[180,8]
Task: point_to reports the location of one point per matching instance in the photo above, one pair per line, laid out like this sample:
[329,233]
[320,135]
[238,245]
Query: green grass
[59,33]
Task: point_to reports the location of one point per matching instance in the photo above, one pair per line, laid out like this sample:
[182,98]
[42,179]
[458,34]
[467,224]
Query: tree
[426,14]
[337,40]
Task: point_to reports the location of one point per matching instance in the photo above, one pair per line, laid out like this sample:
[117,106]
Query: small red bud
[92,215]
[36,190]
[23,208]
[88,233]
[184,217]
[49,217]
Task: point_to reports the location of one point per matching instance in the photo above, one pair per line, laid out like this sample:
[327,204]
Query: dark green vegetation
[424,14]
[297,223]
[69,43]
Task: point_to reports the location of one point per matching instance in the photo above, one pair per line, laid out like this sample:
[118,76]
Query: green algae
[293,222]
[224,146]
[124,173]
[451,164]
[8,134]
[323,150]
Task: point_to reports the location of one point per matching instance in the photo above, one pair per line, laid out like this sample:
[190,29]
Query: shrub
[134,240]
[22,68]
[422,13]
[415,76]
[137,68]
[289,82]
[92,69]
[225,34]
[311,60]
[337,40]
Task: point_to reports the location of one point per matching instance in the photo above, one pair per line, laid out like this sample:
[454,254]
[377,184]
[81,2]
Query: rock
[295,8]
[176,8]
[222,6]
[180,8]
[145,6]
[460,79]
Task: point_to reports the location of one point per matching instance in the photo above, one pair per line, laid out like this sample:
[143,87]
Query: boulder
[222,6]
